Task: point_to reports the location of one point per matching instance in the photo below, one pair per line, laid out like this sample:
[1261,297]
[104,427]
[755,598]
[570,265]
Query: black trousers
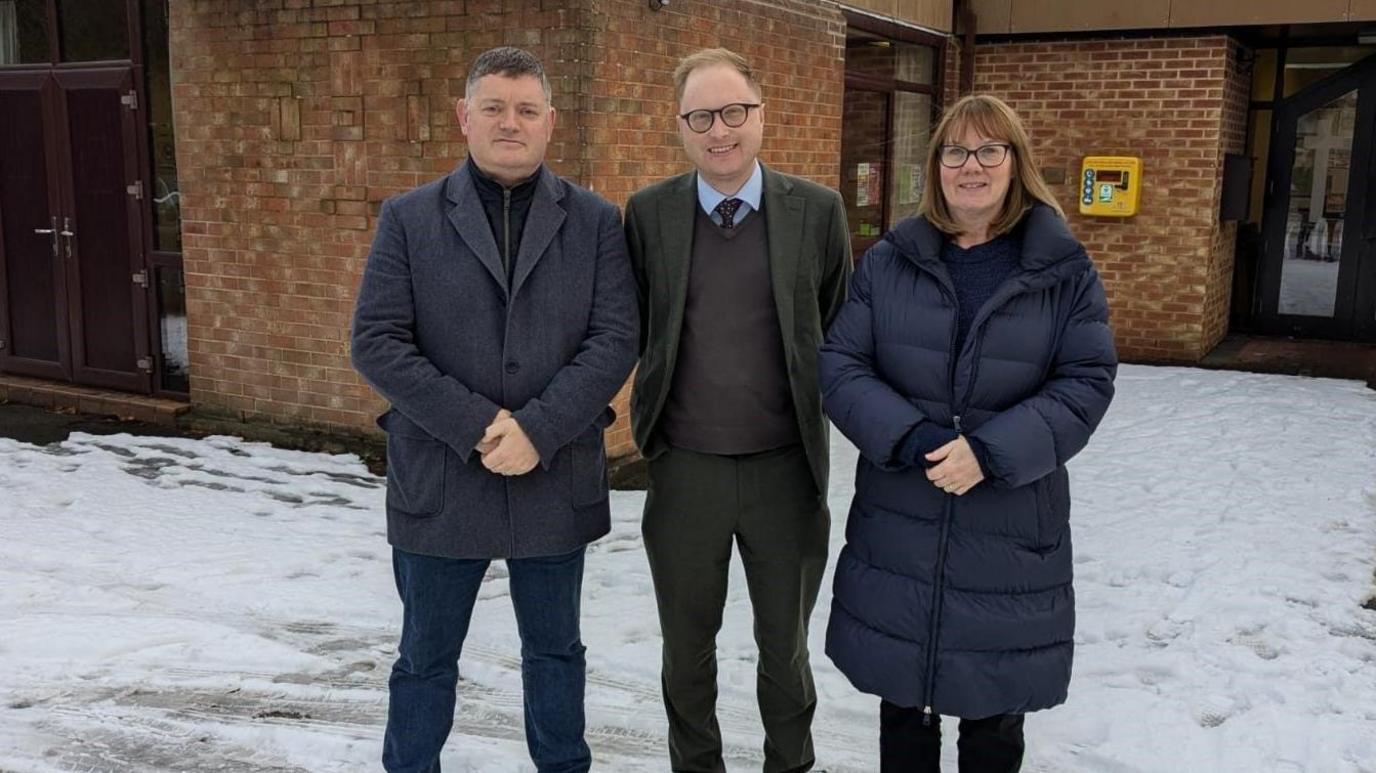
[907,745]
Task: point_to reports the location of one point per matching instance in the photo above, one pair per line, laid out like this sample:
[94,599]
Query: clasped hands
[504,447]
[955,467]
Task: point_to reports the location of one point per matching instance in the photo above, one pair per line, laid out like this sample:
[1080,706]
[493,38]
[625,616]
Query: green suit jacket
[809,264]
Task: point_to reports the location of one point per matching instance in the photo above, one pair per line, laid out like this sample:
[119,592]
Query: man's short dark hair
[508,62]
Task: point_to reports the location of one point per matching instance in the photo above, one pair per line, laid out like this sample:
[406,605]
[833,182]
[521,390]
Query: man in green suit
[740,269]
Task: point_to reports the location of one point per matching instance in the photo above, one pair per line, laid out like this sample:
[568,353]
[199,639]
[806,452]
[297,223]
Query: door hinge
[135,190]
[145,364]
[130,100]
[141,278]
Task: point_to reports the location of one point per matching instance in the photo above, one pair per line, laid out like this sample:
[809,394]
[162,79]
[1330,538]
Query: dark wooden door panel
[33,309]
[101,240]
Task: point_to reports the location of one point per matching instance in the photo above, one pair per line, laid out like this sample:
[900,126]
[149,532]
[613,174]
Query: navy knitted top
[976,274]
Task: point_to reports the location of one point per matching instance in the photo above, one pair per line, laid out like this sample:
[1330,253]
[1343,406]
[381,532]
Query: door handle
[52,231]
[67,232]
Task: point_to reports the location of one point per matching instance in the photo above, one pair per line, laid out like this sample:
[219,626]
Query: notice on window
[869,185]
[909,183]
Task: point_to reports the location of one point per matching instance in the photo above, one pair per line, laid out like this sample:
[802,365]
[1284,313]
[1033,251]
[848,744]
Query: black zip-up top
[506,210]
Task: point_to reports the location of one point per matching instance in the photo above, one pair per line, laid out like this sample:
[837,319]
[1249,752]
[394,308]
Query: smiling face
[975,194]
[724,156]
[508,123]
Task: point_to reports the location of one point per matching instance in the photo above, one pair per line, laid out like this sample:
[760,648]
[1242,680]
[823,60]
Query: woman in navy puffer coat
[971,362]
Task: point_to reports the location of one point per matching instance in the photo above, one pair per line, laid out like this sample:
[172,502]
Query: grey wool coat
[448,341]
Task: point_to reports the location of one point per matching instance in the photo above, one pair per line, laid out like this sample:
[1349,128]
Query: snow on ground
[218,605]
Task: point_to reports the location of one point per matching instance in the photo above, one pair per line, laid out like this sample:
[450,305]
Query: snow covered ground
[218,605]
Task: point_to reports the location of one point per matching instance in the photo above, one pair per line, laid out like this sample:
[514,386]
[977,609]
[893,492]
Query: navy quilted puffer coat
[963,605]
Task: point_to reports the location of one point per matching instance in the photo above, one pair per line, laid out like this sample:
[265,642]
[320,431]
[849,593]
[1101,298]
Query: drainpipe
[965,13]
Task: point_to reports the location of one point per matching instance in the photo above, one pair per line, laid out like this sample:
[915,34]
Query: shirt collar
[749,193]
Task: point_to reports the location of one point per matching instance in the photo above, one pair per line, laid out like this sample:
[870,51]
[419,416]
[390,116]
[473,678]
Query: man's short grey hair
[508,62]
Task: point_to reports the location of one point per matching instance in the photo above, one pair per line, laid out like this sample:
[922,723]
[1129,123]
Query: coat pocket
[1053,512]
[588,468]
[588,462]
[416,469]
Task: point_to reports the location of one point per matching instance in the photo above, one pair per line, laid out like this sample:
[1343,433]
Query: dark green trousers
[768,504]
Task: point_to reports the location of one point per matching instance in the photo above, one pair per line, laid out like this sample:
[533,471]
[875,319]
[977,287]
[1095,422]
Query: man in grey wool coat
[497,315]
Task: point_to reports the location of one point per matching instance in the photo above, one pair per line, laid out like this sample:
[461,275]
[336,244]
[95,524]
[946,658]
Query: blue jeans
[438,595]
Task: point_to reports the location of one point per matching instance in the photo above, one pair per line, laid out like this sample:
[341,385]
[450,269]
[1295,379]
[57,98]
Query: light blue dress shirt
[749,195]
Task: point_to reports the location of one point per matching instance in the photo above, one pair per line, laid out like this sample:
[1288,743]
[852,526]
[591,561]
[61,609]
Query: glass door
[1318,274]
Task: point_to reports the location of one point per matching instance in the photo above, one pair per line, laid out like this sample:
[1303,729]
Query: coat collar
[470,220]
[1049,251]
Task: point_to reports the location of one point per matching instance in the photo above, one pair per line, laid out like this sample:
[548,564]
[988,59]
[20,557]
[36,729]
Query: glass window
[912,131]
[886,125]
[93,30]
[166,198]
[875,57]
[23,32]
[865,118]
[915,64]
[1304,66]
[172,323]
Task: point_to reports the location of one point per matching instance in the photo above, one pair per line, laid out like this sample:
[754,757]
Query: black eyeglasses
[732,115]
[993,154]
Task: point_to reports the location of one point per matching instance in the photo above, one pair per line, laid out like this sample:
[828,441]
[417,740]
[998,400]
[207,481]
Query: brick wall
[296,118]
[1237,89]
[1179,103]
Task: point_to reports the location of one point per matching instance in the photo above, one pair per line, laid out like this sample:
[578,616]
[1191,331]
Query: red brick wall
[1178,103]
[297,118]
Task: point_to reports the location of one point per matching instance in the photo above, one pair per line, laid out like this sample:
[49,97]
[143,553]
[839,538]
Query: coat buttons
[513,367]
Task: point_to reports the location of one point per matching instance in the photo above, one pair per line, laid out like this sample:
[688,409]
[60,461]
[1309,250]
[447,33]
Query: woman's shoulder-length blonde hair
[993,118]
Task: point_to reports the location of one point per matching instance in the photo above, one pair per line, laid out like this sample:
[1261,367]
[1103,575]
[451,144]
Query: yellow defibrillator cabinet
[1109,185]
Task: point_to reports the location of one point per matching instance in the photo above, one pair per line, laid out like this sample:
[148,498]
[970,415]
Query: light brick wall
[1237,89]
[1179,103]
[296,118]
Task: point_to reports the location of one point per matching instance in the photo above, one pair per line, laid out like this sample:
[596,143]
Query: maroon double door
[73,292]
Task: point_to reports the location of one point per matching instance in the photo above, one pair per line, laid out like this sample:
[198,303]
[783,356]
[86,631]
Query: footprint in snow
[1254,640]
[1214,710]
[1162,632]
[1154,675]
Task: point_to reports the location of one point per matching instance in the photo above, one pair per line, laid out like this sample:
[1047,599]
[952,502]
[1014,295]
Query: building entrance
[1318,267]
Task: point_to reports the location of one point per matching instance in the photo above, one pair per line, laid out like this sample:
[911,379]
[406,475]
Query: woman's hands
[955,469]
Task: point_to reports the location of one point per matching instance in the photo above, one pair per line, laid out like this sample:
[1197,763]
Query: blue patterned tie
[727,209]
